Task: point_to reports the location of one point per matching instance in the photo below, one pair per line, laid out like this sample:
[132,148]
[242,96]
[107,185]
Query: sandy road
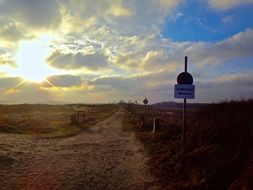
[102,157]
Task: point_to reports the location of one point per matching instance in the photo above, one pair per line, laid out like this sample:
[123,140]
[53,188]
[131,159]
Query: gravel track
[102,157]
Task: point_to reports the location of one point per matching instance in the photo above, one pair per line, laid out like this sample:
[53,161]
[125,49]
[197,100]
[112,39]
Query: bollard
[142,119]
[154,122]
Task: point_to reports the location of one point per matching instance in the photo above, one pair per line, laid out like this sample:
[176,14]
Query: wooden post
[154,125]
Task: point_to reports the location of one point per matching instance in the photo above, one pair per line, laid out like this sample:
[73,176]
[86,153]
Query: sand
[102,157]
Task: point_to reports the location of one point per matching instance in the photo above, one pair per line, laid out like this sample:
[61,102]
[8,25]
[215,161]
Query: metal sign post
[145,102]
[184,107]
[184,90]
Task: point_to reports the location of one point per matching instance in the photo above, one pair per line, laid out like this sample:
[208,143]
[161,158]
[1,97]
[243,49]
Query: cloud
[135,17]
[236,47]
[90,8]
[27,19]
[136,54]
[116,83]
[147,16]
[6,59]
[158,53]
[227,4]
[135,85]
[9,82]
[147,53]
[10,31]
[160,87]
[158,60]
[64,81]
[33,13]
[119,45]
[226,87]
[79,60]
[27,93]
[150,65]
[107,88]
[82,15]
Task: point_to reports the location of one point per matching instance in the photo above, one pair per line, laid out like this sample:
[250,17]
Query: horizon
[177,101]
[99,52]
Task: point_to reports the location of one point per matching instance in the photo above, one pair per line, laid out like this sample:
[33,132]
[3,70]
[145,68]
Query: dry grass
[218,150]
[48,120]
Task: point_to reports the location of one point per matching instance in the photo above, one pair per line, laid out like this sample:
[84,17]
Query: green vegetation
[218,152]
[49,120]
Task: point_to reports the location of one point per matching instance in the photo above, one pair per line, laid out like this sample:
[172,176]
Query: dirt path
[102,157]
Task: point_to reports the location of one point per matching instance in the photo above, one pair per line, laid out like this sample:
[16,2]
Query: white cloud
[235,47]
[6,59]
[147,16]
[157,54]
[133,17]
[158,60]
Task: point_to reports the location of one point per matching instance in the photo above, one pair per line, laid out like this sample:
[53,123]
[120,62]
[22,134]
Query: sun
[31,59]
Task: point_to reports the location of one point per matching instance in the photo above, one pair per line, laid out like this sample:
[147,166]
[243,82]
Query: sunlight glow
[31,59]
[11,90]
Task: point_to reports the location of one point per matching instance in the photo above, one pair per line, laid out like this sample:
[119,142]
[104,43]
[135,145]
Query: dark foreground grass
[218,151]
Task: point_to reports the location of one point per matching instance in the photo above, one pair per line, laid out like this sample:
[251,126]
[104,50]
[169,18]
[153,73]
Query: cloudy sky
[97,51]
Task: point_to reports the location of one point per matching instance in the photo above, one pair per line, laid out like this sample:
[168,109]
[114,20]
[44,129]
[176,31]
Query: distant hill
[174,105]
[34,103]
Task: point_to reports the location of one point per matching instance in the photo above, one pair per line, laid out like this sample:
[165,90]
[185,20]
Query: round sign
[184,78]
[145,101]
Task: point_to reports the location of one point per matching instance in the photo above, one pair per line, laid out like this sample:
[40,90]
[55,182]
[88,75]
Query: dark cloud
[79,60]
[33,13]
[26,93]
[227,87]
[9,82]
[160,87]
[155,86]
[9,31]
[116,83]
[64,81]
[136,84]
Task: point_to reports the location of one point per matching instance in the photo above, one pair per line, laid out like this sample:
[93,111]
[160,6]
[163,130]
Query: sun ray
[51,84]
[10,90]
